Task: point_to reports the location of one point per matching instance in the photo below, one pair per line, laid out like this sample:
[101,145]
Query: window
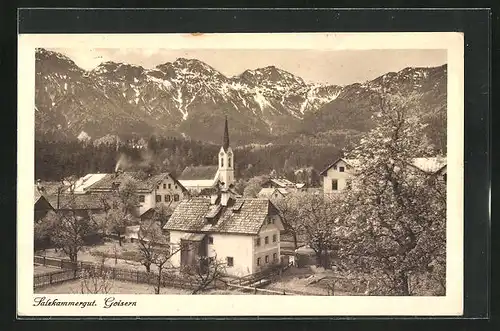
[211,240]
[176,197]
[267,258]
[258,261]
[167,198]
[257,242]
[266,240]
[275,237]
[158,187]
[335,185]
[176,187]
[221,162]
[341,169]
[142,198]
[269,221]
[230,261]
[275,257]
[158,198]
[229,163]
[164,186]
[169,186]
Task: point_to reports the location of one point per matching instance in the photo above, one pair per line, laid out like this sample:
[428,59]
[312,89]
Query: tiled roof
[282,182]
[76,201]
[199,173]
[146,184]
[429,164]
[190,216]
[50,188]
[267,192]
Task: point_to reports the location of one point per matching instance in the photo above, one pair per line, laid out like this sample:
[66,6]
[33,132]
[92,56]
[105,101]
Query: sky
[339,67]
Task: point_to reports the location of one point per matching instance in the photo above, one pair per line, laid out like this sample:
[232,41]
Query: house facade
[152,191]
[340,174]
[242,233]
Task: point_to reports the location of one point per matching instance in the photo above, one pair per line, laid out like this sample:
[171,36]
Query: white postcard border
[246,305]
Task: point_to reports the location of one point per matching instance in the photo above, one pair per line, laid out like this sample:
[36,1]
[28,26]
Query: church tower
[226,160]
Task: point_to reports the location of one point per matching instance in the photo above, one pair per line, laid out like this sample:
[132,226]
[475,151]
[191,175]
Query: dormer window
[229,162]
[341,169]
[222,162]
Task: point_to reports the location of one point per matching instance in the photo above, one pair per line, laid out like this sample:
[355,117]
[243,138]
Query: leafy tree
[68,229]
[395,215]
[289,207]
[319,221]
[120,208]
[254,186]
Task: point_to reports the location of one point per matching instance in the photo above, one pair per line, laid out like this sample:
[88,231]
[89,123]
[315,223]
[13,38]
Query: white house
[244,233]
[339,174]
[152,190]
[199,178]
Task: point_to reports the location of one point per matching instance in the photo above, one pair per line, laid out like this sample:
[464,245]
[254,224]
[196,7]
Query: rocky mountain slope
[189,98]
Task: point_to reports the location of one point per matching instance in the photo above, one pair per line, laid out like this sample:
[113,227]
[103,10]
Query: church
[196,179]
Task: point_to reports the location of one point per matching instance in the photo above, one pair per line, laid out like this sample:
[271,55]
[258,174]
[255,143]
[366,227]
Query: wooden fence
[73,271]
[53,277]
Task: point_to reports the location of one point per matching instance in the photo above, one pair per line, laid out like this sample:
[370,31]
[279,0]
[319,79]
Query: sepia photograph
[206,165]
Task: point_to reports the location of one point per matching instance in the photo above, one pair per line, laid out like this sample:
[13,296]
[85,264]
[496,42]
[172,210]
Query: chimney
[224,197]
[213,198]
[39,186]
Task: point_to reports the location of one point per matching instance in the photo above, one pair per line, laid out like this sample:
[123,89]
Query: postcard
[276,174]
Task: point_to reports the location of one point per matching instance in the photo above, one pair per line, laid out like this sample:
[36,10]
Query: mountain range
[189,98]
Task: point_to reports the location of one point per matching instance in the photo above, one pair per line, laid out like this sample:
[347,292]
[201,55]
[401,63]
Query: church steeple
[225,141]
[226,160]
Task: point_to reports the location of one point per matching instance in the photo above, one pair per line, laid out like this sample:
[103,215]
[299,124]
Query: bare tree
[206,273]
[96,279]
[150,237]
[160,259]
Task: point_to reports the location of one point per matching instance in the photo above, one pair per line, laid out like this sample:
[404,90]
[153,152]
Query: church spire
[225,142]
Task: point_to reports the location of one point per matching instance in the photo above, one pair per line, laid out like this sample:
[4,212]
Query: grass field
[119,287]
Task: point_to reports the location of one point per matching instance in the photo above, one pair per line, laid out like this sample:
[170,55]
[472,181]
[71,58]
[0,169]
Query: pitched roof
[429,164]
[190,216]
[352,162]
[49,188]
[426,164]
[76,201]
[281,182]
[146,184]
[225,141]
[267,192]
[84,182]
[199,173]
